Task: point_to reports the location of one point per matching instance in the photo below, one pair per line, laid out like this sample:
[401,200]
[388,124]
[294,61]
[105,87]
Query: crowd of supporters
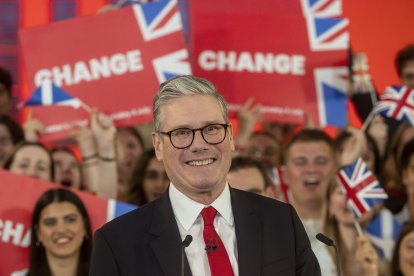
[292,163]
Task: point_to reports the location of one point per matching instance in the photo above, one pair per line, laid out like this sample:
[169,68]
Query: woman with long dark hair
[149,179]
[61,240]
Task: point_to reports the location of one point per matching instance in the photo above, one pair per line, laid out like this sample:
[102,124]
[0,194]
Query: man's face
[247,179]
[309,169]
[200,168]
[265,150]
[407,74]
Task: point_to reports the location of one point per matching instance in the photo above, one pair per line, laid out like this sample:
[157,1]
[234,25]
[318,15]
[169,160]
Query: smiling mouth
[197,163]
[311,182]
[62,240]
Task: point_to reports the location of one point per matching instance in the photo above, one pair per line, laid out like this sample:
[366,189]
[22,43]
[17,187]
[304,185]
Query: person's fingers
[94,118]
[104,120]
[30,114]
[248,104]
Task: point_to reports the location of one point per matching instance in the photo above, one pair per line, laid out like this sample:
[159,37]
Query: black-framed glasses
[182,138]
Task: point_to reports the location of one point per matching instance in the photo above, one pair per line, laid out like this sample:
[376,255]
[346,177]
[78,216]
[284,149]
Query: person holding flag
[357,255]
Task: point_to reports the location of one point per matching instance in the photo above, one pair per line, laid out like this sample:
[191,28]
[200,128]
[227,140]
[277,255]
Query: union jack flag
[327,30]
[276,175]
[397,102]
[322,8]
[158,18]
[362,189]
[172,65]
[48,94]
[331,84]
[162,19]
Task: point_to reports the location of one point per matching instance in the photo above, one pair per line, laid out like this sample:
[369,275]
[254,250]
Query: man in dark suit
[233,232]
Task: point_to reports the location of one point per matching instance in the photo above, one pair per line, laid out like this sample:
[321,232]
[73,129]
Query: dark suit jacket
[271,240]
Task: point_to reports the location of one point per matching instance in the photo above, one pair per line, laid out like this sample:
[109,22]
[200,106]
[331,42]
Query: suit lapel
[248,233]
[167,242]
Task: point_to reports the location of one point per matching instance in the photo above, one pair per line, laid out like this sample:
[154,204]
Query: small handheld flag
[48,94]
[362,189]
[397,102]
[382,231]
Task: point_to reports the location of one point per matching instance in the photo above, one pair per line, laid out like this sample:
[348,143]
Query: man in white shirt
[309,168]
[233,232]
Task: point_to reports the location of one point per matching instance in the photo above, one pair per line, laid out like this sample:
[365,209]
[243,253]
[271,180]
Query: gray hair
[184,86]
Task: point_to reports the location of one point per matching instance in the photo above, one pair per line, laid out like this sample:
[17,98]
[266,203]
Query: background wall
[380,28]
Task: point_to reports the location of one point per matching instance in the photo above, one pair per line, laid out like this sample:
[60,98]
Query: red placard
[291,58]
[18,195]
[113,61]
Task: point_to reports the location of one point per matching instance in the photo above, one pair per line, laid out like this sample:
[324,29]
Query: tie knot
[208,215]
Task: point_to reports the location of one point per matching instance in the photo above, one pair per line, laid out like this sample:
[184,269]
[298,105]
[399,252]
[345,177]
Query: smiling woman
[61,240]
[30,159]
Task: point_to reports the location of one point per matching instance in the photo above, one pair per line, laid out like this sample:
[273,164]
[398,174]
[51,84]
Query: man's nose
[198,141]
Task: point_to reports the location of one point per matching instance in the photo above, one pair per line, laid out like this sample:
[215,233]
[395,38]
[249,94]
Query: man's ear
[158,145]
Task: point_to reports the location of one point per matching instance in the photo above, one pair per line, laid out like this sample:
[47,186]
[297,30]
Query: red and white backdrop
[290,56]
[113,61]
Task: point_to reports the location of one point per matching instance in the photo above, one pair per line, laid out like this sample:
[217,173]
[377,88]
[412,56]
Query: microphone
[324,239]
[186,242]
[212,245]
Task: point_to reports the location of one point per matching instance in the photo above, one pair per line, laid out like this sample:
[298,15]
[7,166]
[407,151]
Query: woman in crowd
[372,155]
[61,240]
[378,130]
[67,169]
[391,177]
[358,257]
[149,179]
[403,257]
[129,145]
[31,159]
[10,134]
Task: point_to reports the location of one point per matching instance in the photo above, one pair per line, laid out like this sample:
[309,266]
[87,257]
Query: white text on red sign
[252,62]
[94,69]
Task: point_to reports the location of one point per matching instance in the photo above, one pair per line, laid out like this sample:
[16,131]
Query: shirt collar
[187,210]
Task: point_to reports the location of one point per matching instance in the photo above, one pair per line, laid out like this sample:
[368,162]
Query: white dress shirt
[187,213]
[327,263]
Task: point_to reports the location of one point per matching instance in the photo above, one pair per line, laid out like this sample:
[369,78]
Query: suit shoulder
[262,201]
[135,221]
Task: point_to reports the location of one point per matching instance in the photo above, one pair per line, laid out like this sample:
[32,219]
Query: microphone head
[188,239]
[324,239]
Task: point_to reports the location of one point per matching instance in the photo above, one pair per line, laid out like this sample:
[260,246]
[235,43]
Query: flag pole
[86,107]
[358,228]
[368,120]
[356,222]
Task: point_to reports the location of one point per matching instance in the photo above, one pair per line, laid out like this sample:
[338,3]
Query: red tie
[216,252]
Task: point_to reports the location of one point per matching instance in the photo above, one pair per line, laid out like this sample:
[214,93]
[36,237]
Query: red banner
[290,55]
[18,195]
[114,61]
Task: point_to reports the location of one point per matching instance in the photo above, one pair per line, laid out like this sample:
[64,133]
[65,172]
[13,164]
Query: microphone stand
[186,242]
[327,241]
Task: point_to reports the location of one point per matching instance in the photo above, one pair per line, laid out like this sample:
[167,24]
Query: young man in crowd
[249,175]
[404,63]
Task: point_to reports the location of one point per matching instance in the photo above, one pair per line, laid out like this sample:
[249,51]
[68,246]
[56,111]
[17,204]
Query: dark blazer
[271,240]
